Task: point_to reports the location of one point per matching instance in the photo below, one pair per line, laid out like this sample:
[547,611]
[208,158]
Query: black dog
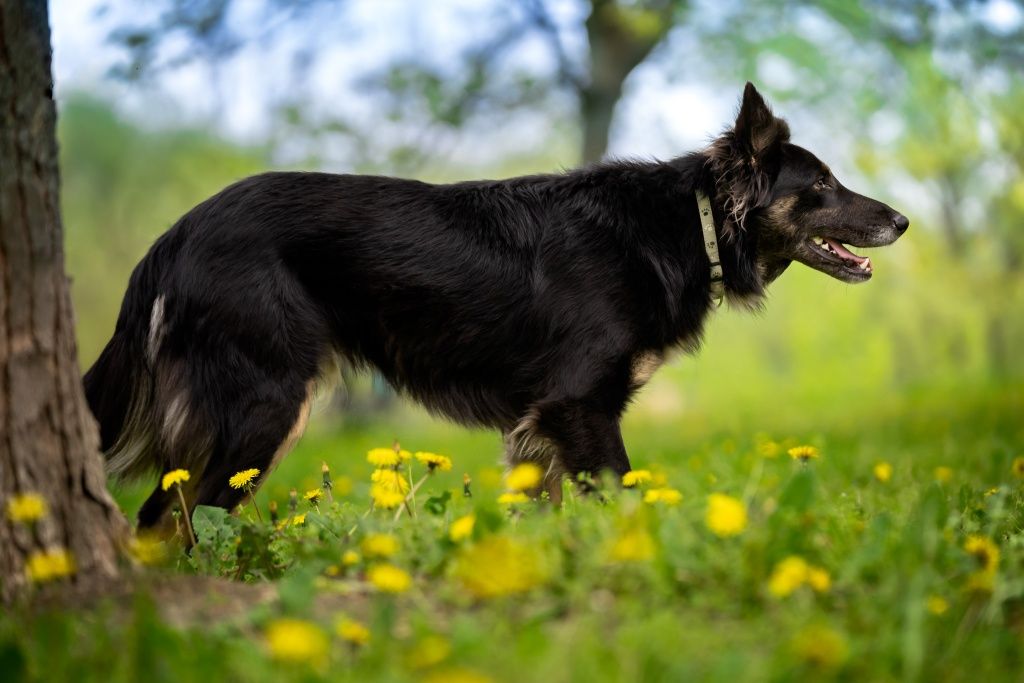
[534,305]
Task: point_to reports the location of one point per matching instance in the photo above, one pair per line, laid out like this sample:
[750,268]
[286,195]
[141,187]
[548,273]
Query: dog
[536,305]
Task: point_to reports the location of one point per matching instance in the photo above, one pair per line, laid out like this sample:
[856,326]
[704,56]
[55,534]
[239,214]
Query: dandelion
[299,520]
[457,675]
[387,457]
[390,480]
[325,480]
[350,558]
[804,453]
[175,478]
[312,496]
[943,474]
[986,553]
[635,545]
[380,545]
[883,472]
[1018,467]
[524,477]
[26,508]
[296,641]
[49,565]
[664,496]
[433,461]
[819,579]
[351,631]
[243,479]
[466,481]
[385,498]
[388,578]
[513,498]
[497,566]
[461,528]
[788,576]
[768,449]
[821,646]
[992,491]
[937,605]
[148,549]
[636,477]
[428,652]
[726,516]
[246,479]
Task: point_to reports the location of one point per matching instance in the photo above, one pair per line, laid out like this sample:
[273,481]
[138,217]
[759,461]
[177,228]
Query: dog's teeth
[818,240]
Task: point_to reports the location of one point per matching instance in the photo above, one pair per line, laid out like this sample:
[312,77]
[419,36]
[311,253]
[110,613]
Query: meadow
[830,490]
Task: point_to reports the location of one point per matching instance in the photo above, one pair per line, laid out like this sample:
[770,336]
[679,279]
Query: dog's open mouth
[837,254]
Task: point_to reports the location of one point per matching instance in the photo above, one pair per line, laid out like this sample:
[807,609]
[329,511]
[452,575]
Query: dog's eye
[822,183]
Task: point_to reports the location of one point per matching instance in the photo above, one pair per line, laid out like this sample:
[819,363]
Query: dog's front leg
[588,439]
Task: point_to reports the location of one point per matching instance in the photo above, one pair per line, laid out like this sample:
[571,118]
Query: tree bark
[48,440]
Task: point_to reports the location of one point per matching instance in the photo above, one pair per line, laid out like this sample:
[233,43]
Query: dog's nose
[901,222]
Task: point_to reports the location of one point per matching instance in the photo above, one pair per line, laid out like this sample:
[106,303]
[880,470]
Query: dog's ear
[745,160]
[759,133]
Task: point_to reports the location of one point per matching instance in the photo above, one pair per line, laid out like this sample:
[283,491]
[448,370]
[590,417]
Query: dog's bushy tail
[120,386]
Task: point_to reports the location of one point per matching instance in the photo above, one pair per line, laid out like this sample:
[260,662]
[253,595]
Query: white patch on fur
[157,330]
[524,444]
[643,367]
[174,419]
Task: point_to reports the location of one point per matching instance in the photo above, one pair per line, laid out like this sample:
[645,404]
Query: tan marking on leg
[644,365]
[525,444]
[296,431]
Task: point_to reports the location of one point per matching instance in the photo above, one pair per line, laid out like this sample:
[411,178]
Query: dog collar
[707,224]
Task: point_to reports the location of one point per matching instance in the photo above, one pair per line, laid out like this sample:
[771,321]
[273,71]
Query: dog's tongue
[845,253]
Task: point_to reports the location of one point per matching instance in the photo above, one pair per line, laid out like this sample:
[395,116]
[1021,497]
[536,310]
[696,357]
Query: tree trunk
[619,42]
[48,440]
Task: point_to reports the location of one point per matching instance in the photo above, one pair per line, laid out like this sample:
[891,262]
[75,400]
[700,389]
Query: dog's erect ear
[757,130]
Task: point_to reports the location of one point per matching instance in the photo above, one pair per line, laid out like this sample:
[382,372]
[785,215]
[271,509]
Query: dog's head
[787,205]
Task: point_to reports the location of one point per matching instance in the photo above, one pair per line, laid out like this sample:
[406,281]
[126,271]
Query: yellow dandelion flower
[937,605]
[943,474]
[174,477]
[313,495]
[804,453]
[390,480]
[788,576]
[457,675]
[819,579]
[726,516]
[634,545]
[664,496]
[821,646]
[1018,467]
[513,498]
[385,498]
[148,549]
[433,461]
[49,565]
[985,551]
[240,480]
[636,477]
[379,545]
[299,520]
[768,449]
[499,565]
[524,477]
[388,578]
[883,471]
[992,491]
[350,558]
[428,652]
[387,457]
[461,528]
[296,641]
[351,631]
[27,507]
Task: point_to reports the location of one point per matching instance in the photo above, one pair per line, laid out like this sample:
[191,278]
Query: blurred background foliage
[917,102]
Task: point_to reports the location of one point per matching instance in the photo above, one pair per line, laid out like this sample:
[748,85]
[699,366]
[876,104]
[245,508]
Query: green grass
[698,608]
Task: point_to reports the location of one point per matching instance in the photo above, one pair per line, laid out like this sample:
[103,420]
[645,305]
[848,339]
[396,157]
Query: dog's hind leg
[587,440]
[261,438]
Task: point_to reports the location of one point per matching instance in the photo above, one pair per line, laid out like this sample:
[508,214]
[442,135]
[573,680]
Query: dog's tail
[120,386]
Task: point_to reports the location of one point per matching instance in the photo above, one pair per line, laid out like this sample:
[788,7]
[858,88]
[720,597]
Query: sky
[658,118]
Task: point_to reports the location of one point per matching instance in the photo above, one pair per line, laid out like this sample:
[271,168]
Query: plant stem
[411,494]
[185,514]
[252,497]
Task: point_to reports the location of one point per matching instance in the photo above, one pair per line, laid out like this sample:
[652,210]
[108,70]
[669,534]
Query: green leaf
[436,505]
